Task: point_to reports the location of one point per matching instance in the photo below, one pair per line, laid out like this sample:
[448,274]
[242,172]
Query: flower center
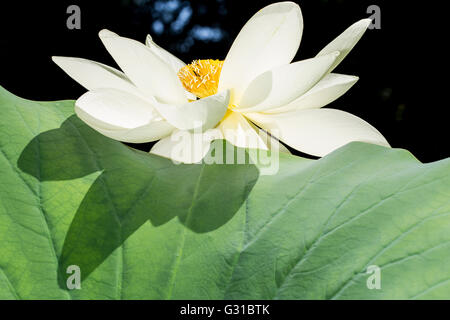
[201,77]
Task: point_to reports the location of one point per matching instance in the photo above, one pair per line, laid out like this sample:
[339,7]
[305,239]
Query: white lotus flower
[155,97]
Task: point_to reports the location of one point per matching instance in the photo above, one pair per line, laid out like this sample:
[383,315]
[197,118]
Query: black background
[403,67]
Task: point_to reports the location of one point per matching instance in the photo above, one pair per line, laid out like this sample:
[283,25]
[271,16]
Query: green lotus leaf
[140,227]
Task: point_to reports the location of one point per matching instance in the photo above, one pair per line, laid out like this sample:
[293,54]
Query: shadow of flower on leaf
[133,187]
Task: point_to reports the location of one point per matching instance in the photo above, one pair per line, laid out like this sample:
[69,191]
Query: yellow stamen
[201,77]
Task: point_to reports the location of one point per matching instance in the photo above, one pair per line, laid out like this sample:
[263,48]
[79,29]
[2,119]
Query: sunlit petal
[175,63]
[282,85]
[240,133]
[144,68]
[93,75]
[324,92]
[270,39]
[121,116]
[201,114]
[345,42]
[170,59]
[318,131]
[146,133]
[185,146]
